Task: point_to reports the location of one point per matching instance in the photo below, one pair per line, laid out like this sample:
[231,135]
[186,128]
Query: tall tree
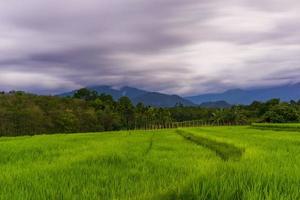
[126,110]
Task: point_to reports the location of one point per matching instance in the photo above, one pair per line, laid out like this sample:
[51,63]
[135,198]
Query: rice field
[278,126]
[189,163]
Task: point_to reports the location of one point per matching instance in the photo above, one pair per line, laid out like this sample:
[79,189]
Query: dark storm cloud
[174,46]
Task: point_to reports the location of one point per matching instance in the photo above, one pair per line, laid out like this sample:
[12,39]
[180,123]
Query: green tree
[85,94]
[109,119]
[126,110]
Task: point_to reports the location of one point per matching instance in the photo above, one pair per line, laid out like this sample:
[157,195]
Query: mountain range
[137,95]
[238,96]
[212,100]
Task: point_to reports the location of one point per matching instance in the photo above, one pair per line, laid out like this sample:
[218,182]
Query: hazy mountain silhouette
[137,95]
[239,96]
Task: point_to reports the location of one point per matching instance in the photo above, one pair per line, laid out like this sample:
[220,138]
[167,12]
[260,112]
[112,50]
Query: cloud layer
[174,46]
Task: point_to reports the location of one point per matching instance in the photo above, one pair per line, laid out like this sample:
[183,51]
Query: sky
[184,47]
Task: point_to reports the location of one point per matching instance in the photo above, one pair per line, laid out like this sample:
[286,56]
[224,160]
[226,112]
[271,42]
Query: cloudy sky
[173,46]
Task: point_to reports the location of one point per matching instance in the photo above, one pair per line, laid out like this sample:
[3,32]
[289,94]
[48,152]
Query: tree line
[87,111]
[272,111]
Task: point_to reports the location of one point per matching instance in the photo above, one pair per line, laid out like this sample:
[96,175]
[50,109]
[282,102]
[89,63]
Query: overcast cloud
[174,46]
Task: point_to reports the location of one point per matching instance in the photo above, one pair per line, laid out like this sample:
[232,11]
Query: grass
[277,126]
[158,165]
[224,150]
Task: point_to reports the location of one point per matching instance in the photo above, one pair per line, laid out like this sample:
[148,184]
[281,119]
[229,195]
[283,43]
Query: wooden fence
[186,124]
[29,130]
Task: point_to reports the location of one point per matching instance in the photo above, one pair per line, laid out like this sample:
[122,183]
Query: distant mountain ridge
[216,100]
[162,100]
[238,96]
[115,93]
[137,95]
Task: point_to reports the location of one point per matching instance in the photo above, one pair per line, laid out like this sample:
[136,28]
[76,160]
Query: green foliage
[126,110]
[85,94]
[224,150]
[154,165]
[282,113]
[109,119]
[87,111]
[277,126]
[270,111]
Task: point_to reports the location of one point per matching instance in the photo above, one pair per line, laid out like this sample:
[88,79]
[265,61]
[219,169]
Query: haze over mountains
[218,100]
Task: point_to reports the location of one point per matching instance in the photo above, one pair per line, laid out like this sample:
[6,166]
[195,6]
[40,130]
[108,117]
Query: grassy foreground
[166,164]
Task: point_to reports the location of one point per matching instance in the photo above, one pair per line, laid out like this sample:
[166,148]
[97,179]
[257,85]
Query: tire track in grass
[150,145]
[224,150]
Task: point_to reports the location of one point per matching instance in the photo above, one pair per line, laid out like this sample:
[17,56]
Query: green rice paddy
[191,163]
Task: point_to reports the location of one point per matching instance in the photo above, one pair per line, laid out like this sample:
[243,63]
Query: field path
[224,150]
[150,145]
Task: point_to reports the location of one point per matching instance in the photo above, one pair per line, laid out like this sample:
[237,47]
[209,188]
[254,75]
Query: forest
[87,111]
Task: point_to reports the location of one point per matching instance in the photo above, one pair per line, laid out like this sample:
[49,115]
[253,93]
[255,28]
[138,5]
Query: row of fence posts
[193,123]
[169,125]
